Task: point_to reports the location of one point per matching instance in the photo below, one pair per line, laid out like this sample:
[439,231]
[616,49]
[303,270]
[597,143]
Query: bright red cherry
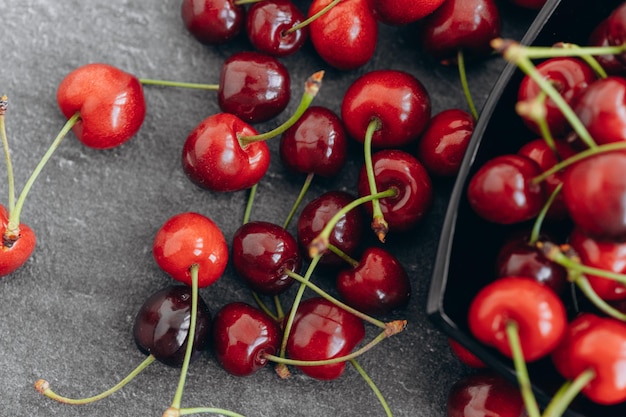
[241,336]
[213,21]
[267,25]
[214,157]
[110,102]
[253,86]
[396,98]
[15,249]
[262,252]
[321,330]
[402,12]
[188,239]
[345,37]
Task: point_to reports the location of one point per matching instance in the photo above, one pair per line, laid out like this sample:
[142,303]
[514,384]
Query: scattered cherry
[213,21]
[268,23]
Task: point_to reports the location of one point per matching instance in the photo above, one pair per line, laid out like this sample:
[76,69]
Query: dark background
[67,315]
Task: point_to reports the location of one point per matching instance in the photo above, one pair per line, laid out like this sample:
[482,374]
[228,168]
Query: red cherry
[467,25]
[214,158]
[594,191]
[396,98]
[267,23]
[402,12]
[464,355]
[16,249]
[316,144]
[242,335]
[344,37]
[253,86]
[320,331]
[537,310]
[402,171]
[484,394]
[501,190]
[616,29]
[379,283]
[213,21]
[610,63]
[188,239]
[262,252]
[442,146]
[110,102]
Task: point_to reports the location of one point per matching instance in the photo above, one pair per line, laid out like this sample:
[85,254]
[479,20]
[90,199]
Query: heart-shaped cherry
[268,25]
[213,21]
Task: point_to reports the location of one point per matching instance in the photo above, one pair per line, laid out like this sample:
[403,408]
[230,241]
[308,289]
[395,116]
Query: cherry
[402,171]
[16,246]
[609,62]
[501,191]
[262,252]
[162,325]
[593,191]
[268,24]
[464,355]
[188,239]
[316,144]
[214,157]
[378,284]
[110,102]
[241,336]
[484,394]
[213,21]
[254,86]
[404,11]
[396,99]
[321,330]
[346,234]
[616,29]
[344,37]
[570,77]
[443,143]
[467,25]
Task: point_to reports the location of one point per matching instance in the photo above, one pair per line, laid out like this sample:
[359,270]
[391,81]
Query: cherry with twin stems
[224,153]
[213,21]
[276,27]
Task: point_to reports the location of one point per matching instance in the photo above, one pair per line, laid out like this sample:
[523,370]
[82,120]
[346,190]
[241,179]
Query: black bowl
[468,245]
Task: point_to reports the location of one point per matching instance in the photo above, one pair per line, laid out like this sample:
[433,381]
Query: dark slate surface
[67,314]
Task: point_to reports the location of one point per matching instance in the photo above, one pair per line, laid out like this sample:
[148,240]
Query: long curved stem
[460,56]
[379,225]
[208,410]
[373,386]
[180,84]
[4,102]
[312,18]
[521,370]
[564,397]
[305,187]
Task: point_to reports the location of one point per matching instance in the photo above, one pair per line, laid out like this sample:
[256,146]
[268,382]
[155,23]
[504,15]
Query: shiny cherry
[16,246]
[267,23]
[241,336]
[162,325]
[403,12]
[213,21]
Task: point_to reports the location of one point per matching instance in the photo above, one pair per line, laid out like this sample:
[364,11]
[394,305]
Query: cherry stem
[193,270]
[583,283]
[264,307]
[536,230]
[209,410]
[320,243]
[311,88]
[181,84]
[14,216]
[43,387]
[567,50]
[373,386]
[4,103]
[564,397]
[514,52]
[303,191]
[379,225]
[251,195]
[334,249]
[535,109]
[460,56]
[588,58]
[312,18]
[530,402]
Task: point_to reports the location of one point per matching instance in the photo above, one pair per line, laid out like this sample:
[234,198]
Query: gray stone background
[67,315]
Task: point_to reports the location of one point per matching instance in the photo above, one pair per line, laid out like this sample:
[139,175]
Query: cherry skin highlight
[213,21]
[267,23]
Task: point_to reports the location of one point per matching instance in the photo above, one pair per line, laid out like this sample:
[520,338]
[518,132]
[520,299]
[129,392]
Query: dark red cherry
[213,21]
[379,283]
[610,63]
[616,29]
[262,252]
[253,86]
[484,394]
[346,234]
[594,191]
[241,336]
[345,37]
[467,25]
[442,146]
[403,172]
[162,325]
[267,23]
[570,77]
[502,191]
[16,246]
[396,98]
[316,144]
[321,330]
[402,12]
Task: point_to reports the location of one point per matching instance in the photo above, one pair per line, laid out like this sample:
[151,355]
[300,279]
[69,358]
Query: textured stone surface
[67,314]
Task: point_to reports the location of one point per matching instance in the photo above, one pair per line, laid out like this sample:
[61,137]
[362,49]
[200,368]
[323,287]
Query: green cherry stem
[334,249]
[43,387]
[569,50]
[312,18]
[311,88]
[460,56]
[535,109]
[373,387]
[263,306]
[536,230]
[248,212]
[564,397]
[530,402]
[583,284]
[379,225]
[208,410]
[180,84]
[4,103]
[588,58]
[305,187]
